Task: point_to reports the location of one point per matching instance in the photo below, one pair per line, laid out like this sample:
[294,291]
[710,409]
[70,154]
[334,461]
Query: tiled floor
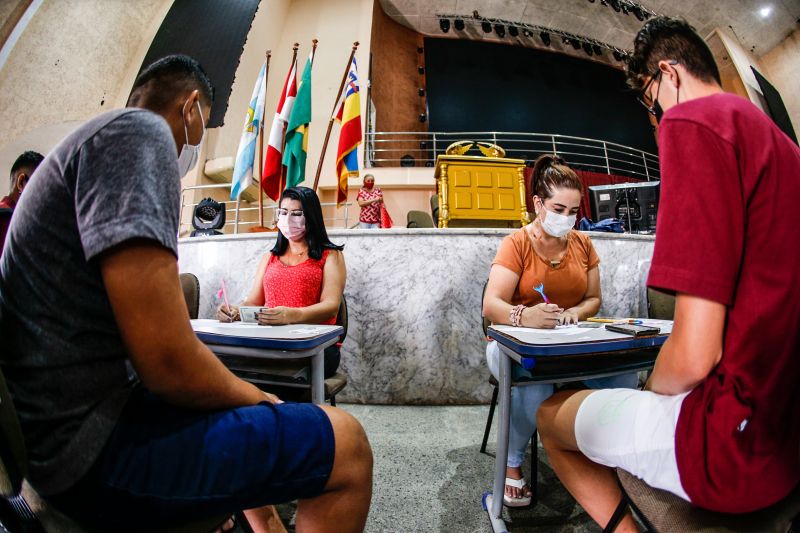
[430,476]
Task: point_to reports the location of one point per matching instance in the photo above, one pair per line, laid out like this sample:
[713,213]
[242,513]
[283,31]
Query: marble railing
[414,298]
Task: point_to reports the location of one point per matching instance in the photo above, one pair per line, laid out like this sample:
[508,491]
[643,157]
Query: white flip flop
[525,501]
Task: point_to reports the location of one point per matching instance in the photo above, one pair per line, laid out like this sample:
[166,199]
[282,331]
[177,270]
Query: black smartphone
[632,329]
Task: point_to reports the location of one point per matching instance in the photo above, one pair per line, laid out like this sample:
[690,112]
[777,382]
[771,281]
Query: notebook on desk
[573,334]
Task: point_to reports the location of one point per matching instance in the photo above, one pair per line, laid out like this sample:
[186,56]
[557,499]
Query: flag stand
[261,227]
[282,179]
[333,116]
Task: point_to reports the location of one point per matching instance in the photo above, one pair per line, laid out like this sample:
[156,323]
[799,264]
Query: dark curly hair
[664,38]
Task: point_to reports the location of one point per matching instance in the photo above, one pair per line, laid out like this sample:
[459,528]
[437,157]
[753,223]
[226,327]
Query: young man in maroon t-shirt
[718,423]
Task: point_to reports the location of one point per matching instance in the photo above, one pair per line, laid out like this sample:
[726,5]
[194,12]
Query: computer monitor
[634,204]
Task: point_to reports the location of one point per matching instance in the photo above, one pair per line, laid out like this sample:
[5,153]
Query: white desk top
[573,334]
[254,331]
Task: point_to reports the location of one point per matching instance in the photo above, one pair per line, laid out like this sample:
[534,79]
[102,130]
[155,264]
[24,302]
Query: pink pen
[221,293]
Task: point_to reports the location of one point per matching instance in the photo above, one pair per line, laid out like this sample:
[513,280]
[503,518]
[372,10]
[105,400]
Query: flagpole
[261,226]
[333,116]
[295,47]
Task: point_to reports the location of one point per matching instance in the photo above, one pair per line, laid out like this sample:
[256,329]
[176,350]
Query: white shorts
[633,430]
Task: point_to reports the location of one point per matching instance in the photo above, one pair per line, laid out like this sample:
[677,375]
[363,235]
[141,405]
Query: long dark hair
[316,235]
[551,172]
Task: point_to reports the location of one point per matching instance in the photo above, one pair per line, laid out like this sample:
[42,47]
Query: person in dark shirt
[717,423]
[21,172]
[130,422]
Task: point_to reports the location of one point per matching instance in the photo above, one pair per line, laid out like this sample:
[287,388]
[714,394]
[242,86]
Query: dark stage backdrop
[476,86]
[213,33]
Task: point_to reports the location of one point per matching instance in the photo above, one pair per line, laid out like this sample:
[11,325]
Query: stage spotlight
[587,48]
[614,5]
[421,91]
[486,26]
[617,55]
[513,31]
[444,24]
[545,38]
[576,44]
[624,8]
[459,24]
[423,117]
[637,12]
[421,70]
[597,50]
[526,32]
[500,30]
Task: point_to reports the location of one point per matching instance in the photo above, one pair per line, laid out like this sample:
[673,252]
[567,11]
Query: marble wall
[414,298]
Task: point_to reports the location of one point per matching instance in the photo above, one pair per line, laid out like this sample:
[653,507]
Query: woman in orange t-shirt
[547,251]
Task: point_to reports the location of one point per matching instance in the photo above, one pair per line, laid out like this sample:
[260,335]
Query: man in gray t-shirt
[96,331]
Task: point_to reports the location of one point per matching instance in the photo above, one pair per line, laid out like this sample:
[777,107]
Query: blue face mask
[190,153]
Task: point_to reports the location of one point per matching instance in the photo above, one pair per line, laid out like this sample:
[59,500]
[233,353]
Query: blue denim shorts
[166,465]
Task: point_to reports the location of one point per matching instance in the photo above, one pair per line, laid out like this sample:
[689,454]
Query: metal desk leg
[495,500]
[318,377]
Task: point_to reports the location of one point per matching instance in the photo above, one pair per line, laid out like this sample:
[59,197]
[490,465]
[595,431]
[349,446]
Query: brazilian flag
[296,149]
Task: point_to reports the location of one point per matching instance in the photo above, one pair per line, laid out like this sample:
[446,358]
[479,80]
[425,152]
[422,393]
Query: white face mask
[556,224]
[189,155]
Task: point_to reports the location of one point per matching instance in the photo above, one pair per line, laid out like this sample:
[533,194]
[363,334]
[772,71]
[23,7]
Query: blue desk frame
[263,347]
[637,353]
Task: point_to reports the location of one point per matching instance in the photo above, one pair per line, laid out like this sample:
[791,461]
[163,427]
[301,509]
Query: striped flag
[271,177]
[349,116]
[296,149]
[246,154]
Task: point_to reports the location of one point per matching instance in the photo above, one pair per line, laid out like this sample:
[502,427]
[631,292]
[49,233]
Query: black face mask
[659,112]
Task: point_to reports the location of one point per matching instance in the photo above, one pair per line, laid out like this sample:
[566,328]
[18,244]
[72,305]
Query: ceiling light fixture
[765,11]
[526,32]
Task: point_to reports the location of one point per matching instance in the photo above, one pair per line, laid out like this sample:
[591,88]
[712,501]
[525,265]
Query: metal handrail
[239,209]
[385,149]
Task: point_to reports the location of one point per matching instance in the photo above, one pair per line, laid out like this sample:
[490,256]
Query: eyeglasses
[643,98]
[295,213]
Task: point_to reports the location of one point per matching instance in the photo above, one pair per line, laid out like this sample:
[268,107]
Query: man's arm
[141,279]
[694,347]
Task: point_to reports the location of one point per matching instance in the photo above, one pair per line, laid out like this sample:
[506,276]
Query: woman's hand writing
[541,316]
[227,313]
